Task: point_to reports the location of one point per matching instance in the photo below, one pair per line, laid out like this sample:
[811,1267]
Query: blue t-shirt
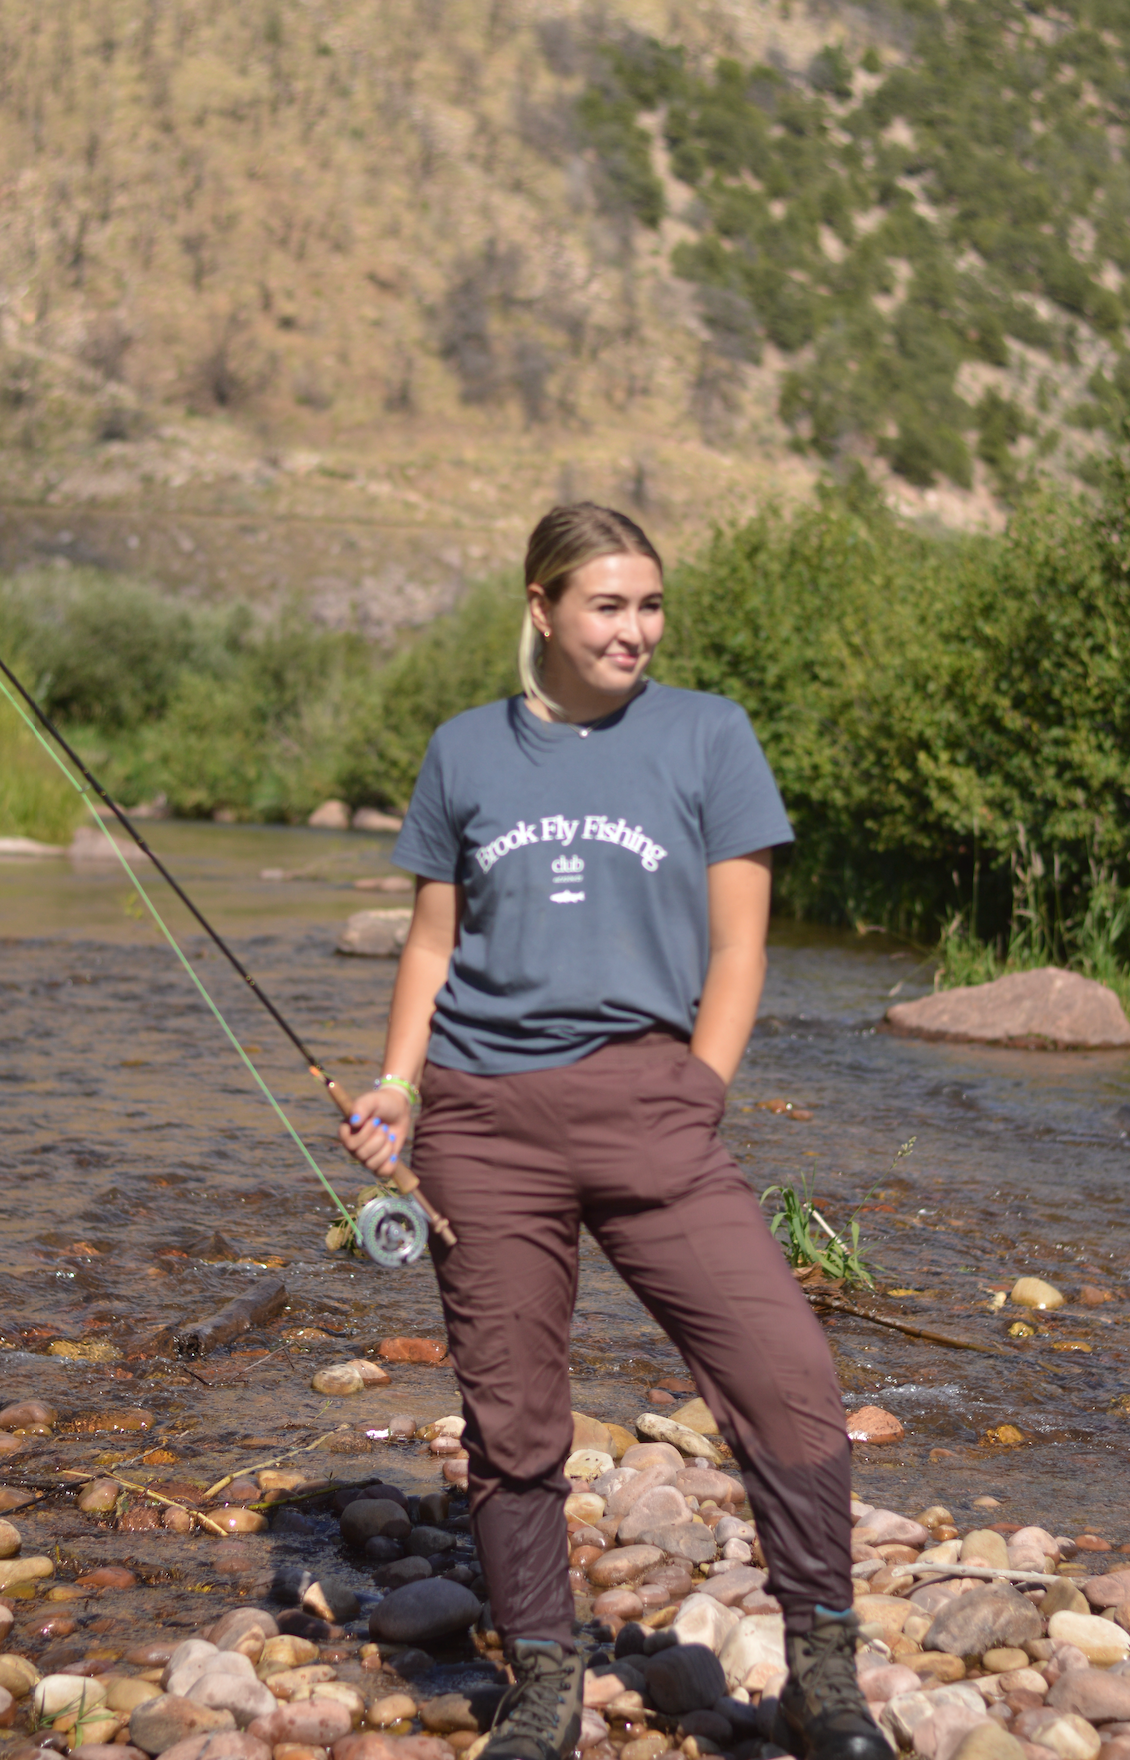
[582,853]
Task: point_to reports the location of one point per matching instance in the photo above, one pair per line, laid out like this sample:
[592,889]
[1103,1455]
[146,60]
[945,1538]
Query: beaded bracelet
[405,1087]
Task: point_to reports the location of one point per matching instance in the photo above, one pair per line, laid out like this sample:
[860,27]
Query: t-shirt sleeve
[743,810]
[429,843]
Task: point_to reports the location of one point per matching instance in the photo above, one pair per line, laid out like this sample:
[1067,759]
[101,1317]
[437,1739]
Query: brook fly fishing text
[390,1229]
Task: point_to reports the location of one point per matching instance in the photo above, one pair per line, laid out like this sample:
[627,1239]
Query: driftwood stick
[838,1306]
[170,1503]
[983,1572]
[261,1301]
[259,1466]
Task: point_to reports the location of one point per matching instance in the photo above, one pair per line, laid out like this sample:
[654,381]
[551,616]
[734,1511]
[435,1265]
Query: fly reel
[394,1230]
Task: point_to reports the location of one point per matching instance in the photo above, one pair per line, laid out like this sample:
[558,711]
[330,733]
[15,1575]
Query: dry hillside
[331,296]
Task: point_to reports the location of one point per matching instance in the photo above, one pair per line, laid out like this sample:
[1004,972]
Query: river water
[131,1135]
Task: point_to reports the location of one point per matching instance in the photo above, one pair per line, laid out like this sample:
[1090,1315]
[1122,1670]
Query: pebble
[590,1433]
[1004,1660]
[707,1482]
[401,1571]
[1101,1641]
[1069,1736]
[225,1745]
[660,1506]
[126,1693]
[1033,1292]
[320,1722]
[232,1518]
[692,1541]
[412,1350]
[584,1506]
[368,1516]
[18,1675]
[988,1741]
[613,1569]
[24,1570]
[986,1547]
[703,1620]
[622,1604]
[160,1723]
[883,1526]
[341,1379]
[654,1428]
[10,1540]
[392,1708]
[873,1424]
[588,1463]
[686,1677]
[1109,1591]
[422,1612]
[226,1690]
[26,1412]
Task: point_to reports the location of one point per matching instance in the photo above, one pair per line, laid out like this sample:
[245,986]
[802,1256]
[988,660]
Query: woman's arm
[738,900]
[383,1114]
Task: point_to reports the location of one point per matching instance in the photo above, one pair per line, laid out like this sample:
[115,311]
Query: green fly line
[178,950]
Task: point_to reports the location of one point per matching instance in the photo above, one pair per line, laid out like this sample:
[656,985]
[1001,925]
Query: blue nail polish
[356,1119]
[393,1161]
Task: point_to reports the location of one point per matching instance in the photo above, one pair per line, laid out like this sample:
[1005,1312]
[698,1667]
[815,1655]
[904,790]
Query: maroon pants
[624,1141]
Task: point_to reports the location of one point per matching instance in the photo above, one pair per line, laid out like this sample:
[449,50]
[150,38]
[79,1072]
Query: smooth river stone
[659,1507]
[696,1415]
[1109,1591]
[873,1424]
[1069,1736]
[1100,1640]
[340,1379]
[643,1455]
[421,1612]
[320,1721]
[226,1744]
[10,1540]
[100,1497]
[617,1604]
[685,1677]
[690,1540]
[988,1741]
[27,1411]
[987,1619]
[588,1464]
[882,1526]
[60,1693]
[730,1588]
[24,1570]
[659,1476]
[160,1723]
[708,1482]
[652,1428]
[368,1516]
[231,1628]
[623,1565]
[1093,1693]
[702,1620]
[983,1546]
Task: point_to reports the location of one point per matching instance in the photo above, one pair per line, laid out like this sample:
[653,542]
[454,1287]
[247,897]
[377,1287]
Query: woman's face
[605,627]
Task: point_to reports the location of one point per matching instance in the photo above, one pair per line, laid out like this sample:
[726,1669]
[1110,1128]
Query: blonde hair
[562,542]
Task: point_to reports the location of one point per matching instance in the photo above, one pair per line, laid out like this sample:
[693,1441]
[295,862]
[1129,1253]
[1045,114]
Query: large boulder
[1048,1007]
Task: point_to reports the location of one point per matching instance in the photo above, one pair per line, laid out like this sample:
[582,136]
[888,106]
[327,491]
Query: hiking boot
[540,1715]
[823,1714]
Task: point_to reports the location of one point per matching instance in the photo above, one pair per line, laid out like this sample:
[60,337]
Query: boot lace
[827,1673]
[530,1708]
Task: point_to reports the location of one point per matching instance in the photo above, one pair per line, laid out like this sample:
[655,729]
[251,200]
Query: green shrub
[36,800]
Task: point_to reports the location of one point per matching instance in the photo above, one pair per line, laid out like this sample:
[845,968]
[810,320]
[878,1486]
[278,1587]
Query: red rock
[618,1604]
[318,1721]
[873,1424]
[27,1411]
[1048,1007]
[412,1350]
[1091,1543]
[659,1396]
[1108,1591]
[108,1576]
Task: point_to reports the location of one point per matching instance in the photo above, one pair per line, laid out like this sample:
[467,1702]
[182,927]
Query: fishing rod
[392,1229]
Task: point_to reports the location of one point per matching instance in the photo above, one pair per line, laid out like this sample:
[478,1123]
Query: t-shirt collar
[539,738]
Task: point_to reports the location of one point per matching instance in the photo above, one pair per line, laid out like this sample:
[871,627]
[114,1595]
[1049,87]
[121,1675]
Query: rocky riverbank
[130,1629]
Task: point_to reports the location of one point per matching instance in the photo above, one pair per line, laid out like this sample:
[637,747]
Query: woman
[579,984]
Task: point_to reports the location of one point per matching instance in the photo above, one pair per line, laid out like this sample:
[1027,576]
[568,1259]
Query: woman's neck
[577,703]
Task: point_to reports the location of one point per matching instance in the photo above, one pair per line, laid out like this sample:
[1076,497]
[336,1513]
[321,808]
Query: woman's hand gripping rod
[406,1180]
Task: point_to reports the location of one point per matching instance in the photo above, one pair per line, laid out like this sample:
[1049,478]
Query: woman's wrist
[402,1085]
